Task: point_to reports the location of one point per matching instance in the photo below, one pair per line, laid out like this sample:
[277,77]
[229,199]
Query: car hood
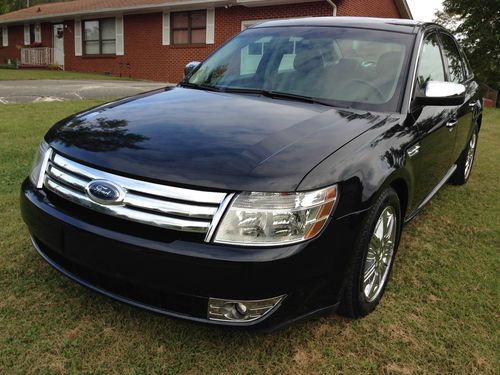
[209,139]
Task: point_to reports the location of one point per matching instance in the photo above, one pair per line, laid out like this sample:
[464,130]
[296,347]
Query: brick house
[151,39]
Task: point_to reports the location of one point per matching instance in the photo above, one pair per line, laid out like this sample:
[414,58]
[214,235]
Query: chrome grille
[144,202]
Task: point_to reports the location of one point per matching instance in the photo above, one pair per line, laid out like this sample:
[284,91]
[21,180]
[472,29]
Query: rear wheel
[373,257]
[465,162]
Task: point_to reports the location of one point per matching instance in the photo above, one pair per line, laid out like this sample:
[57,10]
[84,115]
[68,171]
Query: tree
[4,6]
[477,25]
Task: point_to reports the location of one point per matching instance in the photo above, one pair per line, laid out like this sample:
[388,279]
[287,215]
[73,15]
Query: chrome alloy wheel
[470,155]
[380,253]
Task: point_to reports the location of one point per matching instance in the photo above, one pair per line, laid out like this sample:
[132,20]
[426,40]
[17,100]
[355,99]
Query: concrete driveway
[28,91]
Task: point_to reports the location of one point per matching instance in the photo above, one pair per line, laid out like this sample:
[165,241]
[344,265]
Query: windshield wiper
[266,93]
[284,95]
[201,86]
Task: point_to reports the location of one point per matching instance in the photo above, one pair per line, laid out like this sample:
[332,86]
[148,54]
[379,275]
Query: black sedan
[271,184]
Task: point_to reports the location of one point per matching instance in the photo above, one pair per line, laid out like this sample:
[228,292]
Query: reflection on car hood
[209,139]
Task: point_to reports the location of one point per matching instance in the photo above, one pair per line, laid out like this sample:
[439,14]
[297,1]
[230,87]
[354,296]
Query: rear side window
[430,66]
[454,59]
[468,70]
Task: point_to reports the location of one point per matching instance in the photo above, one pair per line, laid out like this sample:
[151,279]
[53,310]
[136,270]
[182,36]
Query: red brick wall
[16,38]
[368,8]
[149,59]
[146,58]
[16,41]
[46,34]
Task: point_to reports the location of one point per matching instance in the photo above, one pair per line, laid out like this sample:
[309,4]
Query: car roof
[389,24]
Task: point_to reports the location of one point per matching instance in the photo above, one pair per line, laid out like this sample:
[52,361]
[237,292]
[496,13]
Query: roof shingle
[81,6]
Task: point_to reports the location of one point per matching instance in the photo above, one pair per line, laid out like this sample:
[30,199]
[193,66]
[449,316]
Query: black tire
[463,172]
[354,303]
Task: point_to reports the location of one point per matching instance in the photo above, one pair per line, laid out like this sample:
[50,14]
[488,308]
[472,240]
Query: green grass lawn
[30,74]
[439,315]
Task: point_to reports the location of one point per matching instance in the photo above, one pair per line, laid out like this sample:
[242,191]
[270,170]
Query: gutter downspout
[333,6]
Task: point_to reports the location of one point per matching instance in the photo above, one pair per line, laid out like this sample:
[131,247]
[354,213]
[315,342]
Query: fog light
[241,311]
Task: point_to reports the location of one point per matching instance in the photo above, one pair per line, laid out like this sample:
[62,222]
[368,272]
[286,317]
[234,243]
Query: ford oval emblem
[104,192]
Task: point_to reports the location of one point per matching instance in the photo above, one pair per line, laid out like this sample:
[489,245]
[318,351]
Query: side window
[430,65]
[468,69]
[455,64]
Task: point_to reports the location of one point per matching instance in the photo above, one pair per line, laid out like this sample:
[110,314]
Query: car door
[432,156]
[456,71]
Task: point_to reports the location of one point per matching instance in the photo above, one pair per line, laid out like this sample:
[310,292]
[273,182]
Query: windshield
[350,67]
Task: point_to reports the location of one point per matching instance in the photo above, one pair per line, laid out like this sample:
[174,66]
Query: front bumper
[176,276]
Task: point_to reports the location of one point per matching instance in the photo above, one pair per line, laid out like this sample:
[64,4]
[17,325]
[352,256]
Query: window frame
[469,73]
[425,37]
[100,40]
[32,33]
[189,28]
[460,55]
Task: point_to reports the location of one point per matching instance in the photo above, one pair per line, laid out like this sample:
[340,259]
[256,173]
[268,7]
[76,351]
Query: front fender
[367,165]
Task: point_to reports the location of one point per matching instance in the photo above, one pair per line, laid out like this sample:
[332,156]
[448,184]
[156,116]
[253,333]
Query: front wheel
[373,257]
[465,162]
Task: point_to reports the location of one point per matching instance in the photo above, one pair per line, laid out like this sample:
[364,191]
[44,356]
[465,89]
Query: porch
[40,57]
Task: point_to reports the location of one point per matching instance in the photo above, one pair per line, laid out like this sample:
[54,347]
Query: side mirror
[190,67]
[442,94]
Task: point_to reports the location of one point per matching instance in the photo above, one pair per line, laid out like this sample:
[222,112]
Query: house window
[189,27]
[32,34]
[99,37]
[1,37]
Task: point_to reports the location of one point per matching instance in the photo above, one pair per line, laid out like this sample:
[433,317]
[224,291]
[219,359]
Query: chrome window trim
[417,61]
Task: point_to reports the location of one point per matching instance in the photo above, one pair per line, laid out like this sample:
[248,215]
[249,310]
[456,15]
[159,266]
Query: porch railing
[40,56]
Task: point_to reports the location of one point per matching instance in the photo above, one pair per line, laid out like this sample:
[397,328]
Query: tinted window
[455,65]
[468,70]
[352,67]
[430,66]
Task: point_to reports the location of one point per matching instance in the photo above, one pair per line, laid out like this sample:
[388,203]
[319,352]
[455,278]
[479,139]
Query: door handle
[452,123]
[413,150]
[472,105]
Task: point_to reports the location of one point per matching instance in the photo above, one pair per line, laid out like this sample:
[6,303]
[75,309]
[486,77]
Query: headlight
[40,164]
[267,219]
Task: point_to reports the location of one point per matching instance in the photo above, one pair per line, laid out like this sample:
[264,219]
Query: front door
[58,44]
[433,155]
[457,73]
